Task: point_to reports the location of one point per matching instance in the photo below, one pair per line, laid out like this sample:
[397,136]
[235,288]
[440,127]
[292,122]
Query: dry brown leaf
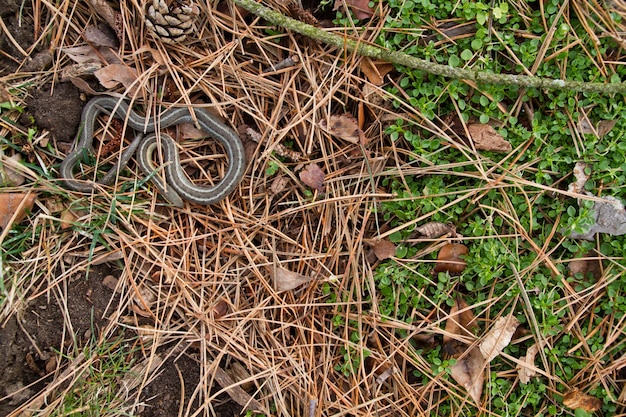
[111,283]
[589,265]
[577,399]
[156,55]
[526,370]
[603,127]
[15,204]
[460,322]
[433,230]
[499,337]
[313,176]
[98,37]
[384,249]
[189,131]
[486,138]
[469,371]
[114,74]
[360,8]
[278,184]
[450,258]
[67,218]
[8,174]
[88,54]
[285,280]
[343,126]
[104,9]
[375,71]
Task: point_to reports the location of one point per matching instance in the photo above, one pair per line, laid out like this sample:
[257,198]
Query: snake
[178,187]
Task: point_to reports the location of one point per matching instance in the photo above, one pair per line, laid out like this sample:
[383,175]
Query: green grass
[518,213]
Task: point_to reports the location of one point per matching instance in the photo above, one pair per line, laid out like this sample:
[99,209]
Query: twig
[399,58]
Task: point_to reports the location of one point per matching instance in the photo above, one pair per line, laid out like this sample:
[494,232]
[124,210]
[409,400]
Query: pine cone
[170,21]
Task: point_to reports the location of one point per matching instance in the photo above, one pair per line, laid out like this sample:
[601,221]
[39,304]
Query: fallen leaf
[67,219]
[220,309]
[460,322]
[313,176]
[156,55]
[111,283]
[384,249]
[8,174]
[486,138]
[15,206]
[285,280]
[189,131]
[99,37]
[577,399]
[450,258]
[279,184]
[469,371]
[360,8]
[433,230]
[114,74]
[526,370]
[588,265]
[343,126]
[603,127]
[375,71]
[89,54]
[498,337]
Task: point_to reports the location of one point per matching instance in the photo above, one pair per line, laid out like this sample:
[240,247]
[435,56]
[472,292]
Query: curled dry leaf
[285,280]
[526,370]
[375,71]
[343,126]
[15,206]
[313,176]
[499,337]
[469,368]
[577,399]
[384,249]
[433,230]
[486,138]
[469,371]
[450,258]
[114,74]
[461,323]
[220,309]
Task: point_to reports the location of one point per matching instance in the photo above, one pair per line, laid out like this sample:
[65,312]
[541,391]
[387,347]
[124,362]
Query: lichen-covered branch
[376,52]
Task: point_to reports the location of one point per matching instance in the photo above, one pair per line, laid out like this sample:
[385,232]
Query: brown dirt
[33,338]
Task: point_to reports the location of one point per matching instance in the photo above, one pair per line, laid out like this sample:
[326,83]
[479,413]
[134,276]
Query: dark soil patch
[20,25]
[57,110]
[30,339]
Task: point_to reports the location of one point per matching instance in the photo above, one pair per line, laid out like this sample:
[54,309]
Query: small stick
[285,63]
